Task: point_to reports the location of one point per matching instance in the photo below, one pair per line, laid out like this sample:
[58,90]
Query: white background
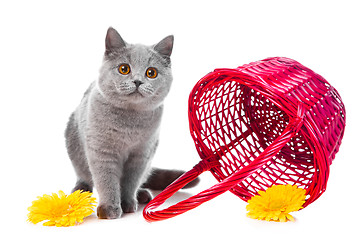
[51,50]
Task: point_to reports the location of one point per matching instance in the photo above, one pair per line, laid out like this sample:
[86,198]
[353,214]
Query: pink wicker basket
[265,123]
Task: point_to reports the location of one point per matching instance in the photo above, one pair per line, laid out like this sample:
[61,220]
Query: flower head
[61,210]
[276,203]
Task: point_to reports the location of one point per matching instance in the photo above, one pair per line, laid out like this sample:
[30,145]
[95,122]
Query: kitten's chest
[129,127]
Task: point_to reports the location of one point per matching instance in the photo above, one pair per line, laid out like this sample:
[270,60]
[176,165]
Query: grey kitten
[112,136]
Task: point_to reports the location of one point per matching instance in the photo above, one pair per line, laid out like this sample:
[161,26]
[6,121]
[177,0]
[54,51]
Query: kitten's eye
[124,69]
[151,72]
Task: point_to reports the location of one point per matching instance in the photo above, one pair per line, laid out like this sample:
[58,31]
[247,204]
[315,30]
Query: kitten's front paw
[83,186]
[129,206]
[108,212]
[143,196]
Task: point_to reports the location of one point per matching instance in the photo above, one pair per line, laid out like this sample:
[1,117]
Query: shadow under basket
[266,123]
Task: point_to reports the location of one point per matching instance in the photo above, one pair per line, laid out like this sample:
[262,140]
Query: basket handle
[151,215]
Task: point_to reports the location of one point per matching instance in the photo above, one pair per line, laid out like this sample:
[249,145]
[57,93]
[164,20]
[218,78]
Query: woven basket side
[289,84]
[300,85]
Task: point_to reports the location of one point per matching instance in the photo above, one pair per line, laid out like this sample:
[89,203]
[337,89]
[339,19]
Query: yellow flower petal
[276,203]
[61,210]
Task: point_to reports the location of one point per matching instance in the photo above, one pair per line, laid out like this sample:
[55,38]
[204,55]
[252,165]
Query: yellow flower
[61,210]
[276,203]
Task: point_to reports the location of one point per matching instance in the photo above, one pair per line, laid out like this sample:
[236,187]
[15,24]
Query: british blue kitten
[112,136]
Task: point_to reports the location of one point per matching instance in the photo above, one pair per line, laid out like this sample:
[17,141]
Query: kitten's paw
[108,212]
[144,196]
[83,186]
[129,206]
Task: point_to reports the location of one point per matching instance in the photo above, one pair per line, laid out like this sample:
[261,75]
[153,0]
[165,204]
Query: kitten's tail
[161,178]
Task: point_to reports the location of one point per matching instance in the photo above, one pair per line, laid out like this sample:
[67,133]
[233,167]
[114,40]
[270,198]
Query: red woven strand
[266,123]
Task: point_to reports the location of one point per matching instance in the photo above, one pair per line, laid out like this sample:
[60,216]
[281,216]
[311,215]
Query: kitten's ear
[165,46]
[113,41]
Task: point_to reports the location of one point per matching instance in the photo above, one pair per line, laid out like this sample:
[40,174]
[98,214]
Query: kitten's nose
[137,83]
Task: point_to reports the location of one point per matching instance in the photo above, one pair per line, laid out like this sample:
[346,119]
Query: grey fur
[112,136]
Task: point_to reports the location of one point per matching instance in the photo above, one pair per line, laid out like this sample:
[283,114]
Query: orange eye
[151,72]
[124,69]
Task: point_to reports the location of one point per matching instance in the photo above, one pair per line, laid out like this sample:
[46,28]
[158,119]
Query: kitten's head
[134,75]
